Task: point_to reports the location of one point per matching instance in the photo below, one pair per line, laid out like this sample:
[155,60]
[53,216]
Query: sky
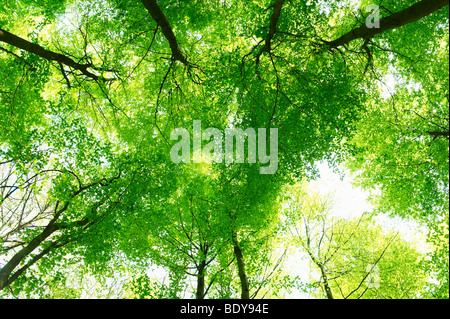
[350,201]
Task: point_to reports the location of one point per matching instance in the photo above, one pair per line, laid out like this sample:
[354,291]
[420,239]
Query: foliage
[353,258]
[90,92]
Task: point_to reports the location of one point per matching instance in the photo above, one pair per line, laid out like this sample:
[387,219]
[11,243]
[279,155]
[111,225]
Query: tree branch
[376,262]
[33,48]
[439,134]
[409,15]
[272,30]
[273,24]
[157,14]
[50,229]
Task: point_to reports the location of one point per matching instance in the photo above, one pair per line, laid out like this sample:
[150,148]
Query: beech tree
[90,92]
[355,258]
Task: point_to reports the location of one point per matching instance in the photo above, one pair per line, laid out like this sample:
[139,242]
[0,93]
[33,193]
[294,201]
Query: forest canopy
[170,149]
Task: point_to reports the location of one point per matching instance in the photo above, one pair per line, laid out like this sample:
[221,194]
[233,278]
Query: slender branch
[376,262]
[48,231]
[277,264]
[17,56]
[64,74]
[215,276]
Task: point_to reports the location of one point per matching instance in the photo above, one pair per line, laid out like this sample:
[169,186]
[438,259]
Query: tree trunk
[245,289]
[411,14]
[6,271]
[326,285]
[201,272]
[200,293]
[323,273]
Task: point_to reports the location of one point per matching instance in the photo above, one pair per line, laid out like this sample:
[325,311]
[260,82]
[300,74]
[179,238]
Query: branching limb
[411,14]
[157,14]
[33,48]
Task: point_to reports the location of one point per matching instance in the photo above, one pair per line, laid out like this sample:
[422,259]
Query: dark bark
[409,15]
[36,258]
[326,285]
[245,288]
[200,292]
[439,134]
[157,15]
[323,273]
[33,48]
[273,24]
[201,272]
[272,30]
[7,276]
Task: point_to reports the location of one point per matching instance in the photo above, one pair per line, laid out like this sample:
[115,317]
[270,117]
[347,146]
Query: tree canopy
[91,93]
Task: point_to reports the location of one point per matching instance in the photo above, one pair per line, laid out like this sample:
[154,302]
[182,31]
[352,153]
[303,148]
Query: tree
[91,91]
[355,257]
[48,207]
[406,160]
